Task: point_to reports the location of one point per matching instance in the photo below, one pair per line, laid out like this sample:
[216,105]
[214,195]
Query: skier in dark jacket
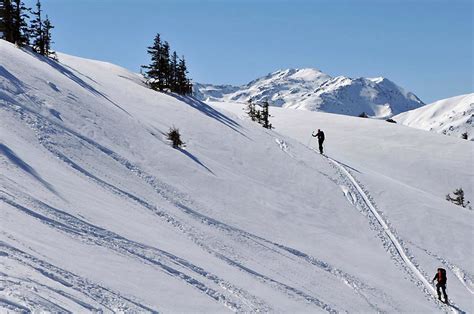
[441,285]
[320,136]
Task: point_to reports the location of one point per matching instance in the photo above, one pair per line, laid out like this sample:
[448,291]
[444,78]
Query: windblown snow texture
[99,213]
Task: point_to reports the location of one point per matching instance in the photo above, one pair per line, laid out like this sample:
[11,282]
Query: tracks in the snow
[213,286]
[398,251]
[108,299]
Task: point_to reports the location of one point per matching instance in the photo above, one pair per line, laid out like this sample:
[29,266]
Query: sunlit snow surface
[98,212]
[451,116]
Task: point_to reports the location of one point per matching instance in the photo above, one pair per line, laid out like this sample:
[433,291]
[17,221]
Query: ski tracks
[106,298]
[395,246]
[46,130]
[181,269]
[232,297]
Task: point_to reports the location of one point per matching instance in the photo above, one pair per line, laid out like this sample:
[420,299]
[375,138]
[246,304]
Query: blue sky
[425,46]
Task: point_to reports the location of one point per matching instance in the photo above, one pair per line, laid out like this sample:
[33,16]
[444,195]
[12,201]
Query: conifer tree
[7,23]
[47,27]
[251,111]
[166,72]
[152,70]
[265,115]
[184,84]
[164,66]
[20,25]
[181,76]
[174,72]
[37,31]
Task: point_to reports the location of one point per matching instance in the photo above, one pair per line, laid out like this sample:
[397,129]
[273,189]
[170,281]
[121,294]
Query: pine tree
[174,72]
[164,74]
[20,25]
[6,24]
[265,115]
[37,31]
[181,76]
[251,111]
[47,27]
[152,70]
[184,84]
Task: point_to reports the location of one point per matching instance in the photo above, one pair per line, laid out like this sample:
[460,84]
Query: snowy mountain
[451,116]
[99,213]
[310,89]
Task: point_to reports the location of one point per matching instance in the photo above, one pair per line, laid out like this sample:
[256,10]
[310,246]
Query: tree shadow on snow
[66,71]
[12,79]
[209,111]
[17,161]
[195,159]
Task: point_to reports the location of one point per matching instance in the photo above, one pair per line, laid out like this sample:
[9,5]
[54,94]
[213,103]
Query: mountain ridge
[450,116]
[311,89]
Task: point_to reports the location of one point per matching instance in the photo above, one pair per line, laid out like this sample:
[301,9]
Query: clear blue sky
[424,46]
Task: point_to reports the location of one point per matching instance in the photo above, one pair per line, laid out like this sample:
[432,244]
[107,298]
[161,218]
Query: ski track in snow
[395,245]
[109,299]
[466,279]
[242,299]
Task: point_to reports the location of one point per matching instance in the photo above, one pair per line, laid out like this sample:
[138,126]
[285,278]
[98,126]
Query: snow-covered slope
[310,89]
[451,116]
[98,212]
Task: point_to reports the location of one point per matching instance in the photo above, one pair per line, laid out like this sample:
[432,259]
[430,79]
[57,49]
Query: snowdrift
[100,213]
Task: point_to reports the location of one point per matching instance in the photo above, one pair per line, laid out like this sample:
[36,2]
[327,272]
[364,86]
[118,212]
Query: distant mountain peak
[311,89]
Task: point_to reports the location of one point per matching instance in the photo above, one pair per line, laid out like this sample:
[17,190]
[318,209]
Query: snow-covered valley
[100,213]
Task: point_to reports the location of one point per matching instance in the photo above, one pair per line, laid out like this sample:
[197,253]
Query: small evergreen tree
[258,116]
[47,27]
[174,72]
[153,69]
[174,136]
[458,198]
[251,111]
[464,136]
[164,73]
[7,21]
[184,86]
[20,25]
[265,115]
[37,31]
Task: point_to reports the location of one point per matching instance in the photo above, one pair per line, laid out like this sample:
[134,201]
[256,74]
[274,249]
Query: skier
[320,136]
[442,279]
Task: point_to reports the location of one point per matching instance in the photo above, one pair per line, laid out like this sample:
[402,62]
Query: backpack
[442,276]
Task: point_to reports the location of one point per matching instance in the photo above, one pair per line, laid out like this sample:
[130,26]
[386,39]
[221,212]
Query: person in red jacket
[441,285]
